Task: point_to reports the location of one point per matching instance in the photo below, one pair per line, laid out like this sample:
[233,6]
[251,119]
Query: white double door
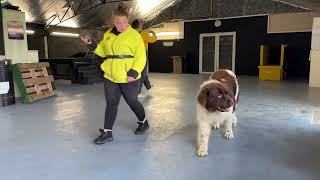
[217,51]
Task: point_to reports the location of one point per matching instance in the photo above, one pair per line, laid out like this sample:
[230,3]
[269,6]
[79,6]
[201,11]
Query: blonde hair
[121,10]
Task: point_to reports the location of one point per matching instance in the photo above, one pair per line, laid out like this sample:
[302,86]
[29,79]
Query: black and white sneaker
[106,135]
[142,128]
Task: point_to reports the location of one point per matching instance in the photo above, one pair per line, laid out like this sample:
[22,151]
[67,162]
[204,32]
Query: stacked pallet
[33,80]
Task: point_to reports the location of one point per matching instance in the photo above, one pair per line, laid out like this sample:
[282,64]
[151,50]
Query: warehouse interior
[47,130]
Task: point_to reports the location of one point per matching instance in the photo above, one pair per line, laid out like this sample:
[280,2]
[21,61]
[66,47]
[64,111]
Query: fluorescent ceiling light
[147,6]
[148,9]
[168,34]
[30,31]
[64,34]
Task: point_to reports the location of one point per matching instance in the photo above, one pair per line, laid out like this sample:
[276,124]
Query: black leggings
[113,92]
[145,79]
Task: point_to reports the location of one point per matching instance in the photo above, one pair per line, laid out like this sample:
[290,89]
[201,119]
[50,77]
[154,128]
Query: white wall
[291,22]
[171,27]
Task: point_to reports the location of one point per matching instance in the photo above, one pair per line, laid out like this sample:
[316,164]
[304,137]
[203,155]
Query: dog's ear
[202,97]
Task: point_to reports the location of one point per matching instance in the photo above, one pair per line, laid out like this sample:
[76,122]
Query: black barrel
[7,96]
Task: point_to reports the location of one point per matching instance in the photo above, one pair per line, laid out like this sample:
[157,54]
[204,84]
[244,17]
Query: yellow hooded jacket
[146,37]
[128,42]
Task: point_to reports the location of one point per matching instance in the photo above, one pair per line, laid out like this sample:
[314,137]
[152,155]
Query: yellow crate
[273,73]
[268,71]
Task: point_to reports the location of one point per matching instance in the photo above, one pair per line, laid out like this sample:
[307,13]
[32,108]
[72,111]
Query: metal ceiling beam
[67,11]
[77,13]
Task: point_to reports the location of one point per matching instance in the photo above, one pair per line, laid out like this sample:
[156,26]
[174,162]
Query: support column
[2,52]
[46,50]
[314,78]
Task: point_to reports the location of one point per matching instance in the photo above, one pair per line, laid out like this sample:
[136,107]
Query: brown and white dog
[216,104]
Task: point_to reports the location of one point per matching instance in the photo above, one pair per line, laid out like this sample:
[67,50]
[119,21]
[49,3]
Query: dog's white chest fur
[212,117]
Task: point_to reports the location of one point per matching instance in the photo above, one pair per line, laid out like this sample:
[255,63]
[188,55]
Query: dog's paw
[202,152]
[216,125]
[229,134]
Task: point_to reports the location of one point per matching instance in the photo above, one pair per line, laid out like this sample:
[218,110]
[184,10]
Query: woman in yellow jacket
[138,25]
[123,52]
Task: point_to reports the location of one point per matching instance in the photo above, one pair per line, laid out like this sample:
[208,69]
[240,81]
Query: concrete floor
[52,138]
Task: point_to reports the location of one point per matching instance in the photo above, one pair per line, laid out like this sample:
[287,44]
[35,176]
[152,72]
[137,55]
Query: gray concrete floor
[52,138]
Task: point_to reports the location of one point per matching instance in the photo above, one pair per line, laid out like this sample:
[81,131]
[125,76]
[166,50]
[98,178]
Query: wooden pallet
[33,81]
